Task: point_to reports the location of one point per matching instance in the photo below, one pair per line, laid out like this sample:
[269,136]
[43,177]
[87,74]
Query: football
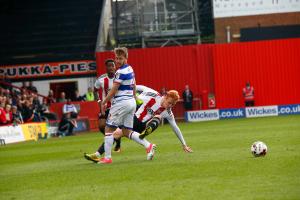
[259,149]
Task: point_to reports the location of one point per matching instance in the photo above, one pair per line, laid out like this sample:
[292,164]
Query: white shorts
[121,114]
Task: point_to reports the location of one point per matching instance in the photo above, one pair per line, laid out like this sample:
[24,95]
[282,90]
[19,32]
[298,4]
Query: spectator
[24,92]
[187,96]
[248,93]
[89,96]
[27,112]
[35,101]
[32,88]
[77,96]
[8,114]
[44,111]
[70,108]
[50,98]
[3,120]
[14,97]
[16,116]
[66,125]
[44,108]
[62,97]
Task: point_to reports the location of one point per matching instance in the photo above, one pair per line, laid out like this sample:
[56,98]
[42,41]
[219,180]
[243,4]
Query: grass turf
[221,166]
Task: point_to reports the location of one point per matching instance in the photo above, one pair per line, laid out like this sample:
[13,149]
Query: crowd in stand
[21,105]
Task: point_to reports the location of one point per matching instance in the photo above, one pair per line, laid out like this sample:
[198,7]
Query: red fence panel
[170,67]
[272,67]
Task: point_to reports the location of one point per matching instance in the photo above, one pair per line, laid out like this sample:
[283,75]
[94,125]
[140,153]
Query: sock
[154,123]
[135,137]
[101,149]
[118,142]
[98,154]
[109,139]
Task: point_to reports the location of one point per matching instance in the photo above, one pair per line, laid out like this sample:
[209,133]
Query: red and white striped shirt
[104,84]
[151,105]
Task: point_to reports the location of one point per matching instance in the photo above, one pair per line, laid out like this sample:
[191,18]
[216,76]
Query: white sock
[97,154]
[135,137]
[109,140]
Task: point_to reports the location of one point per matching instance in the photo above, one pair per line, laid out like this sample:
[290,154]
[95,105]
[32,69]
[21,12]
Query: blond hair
[121,51]
[173,94]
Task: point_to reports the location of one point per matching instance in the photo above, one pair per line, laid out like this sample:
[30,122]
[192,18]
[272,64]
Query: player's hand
[187,149]
[99,102]
[102,108]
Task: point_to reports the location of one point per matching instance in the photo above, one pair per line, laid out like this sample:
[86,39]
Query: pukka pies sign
[54,69]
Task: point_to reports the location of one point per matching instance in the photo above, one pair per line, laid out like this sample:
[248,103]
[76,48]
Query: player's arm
[111,93]
[99,100]
[141,88]
[98,86]
[134,91]
[178,133]
[96,94]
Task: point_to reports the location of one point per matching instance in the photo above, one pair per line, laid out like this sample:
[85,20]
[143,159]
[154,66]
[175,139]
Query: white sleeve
[141,88]
[74,109]
[64,109]
[175,128]
[98,83]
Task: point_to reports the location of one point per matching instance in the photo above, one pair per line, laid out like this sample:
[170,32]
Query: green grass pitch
[221,166]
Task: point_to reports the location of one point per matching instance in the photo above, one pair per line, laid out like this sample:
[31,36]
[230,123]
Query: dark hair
[109,61]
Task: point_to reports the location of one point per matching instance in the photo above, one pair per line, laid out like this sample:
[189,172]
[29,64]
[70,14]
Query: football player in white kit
[147,118]
[102,85]
[123,106]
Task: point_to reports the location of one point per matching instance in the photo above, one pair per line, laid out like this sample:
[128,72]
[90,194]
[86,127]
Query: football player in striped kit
[149,114]
[103,85]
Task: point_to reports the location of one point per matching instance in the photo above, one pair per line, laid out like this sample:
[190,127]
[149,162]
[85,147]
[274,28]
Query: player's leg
[116,113]
[102,124]
[152,125]
[118,144]
[95,157]
[117,137]
[150,148]
[133,135]
[108,143]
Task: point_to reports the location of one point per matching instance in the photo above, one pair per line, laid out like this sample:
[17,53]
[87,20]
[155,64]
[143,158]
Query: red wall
[272,67]
[170,67]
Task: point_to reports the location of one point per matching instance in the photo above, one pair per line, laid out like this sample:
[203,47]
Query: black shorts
[138,126]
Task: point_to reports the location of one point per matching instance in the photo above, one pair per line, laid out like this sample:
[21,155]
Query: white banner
[205,115]
[232,8]
[261,111]
[11,134]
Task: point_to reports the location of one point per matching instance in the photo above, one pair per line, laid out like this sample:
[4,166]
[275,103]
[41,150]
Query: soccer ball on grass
[259,149]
